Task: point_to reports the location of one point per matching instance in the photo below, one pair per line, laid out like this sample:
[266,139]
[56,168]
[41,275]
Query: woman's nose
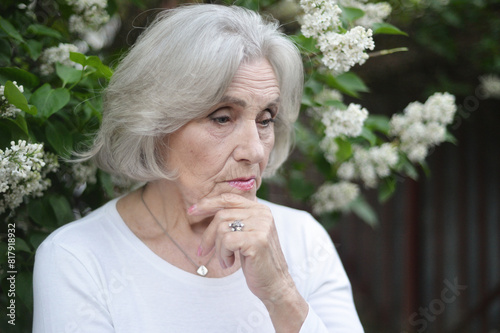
[249,146]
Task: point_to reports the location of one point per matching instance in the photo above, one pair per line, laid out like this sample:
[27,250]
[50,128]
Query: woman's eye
[266,122]
[221,120]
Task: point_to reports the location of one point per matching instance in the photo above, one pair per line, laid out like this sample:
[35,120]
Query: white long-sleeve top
[95,275]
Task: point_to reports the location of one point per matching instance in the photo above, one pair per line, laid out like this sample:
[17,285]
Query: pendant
[202,270]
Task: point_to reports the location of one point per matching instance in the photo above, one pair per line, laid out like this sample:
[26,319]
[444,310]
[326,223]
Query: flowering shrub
[50,103]
[356,149]
[23,171]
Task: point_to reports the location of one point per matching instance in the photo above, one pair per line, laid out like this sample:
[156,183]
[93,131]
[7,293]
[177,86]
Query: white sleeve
[67,297]
[329,294]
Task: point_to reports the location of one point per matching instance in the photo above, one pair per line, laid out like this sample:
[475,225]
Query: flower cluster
[89,15]
[339,123]
[422,126]
[374,12]
[8,110]
[490,84]
[333,197]
[320,16]
[341,49]
[369,165]
[347,122]
[55,54]
[84,173]
[23,170]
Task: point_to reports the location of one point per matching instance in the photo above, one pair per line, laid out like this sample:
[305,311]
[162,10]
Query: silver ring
[236,225]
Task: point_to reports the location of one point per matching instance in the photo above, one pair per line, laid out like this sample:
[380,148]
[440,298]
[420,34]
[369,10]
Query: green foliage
[60,110]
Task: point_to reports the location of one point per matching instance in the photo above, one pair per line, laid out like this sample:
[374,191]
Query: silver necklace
[201,270]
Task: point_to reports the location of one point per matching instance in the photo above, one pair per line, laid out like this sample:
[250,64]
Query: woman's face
[228,149]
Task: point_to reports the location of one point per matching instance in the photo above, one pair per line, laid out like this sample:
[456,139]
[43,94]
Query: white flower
[319,17]
[84,173]
[330,148]
[422,126]
[331,197]
[55,54]
[89,15]
[369,165]
[328,95]
[374,12]
[8,110]
[417,152]
[490,84]
[347,170]
[440,107]
[23,170]
[342,51]
[80,6]
[347,122]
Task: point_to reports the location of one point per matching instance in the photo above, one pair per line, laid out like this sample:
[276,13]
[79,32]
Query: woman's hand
[258,246]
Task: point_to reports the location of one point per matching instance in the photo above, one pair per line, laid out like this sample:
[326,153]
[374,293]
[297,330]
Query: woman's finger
[219,226]
[210,206]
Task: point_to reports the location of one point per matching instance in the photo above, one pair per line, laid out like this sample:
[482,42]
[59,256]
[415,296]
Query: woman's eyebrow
[242,103]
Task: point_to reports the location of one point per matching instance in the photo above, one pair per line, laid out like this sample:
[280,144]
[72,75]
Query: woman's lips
[243,184]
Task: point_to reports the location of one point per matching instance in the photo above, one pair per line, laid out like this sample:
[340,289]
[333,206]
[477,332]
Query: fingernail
[200,251]
[191,209]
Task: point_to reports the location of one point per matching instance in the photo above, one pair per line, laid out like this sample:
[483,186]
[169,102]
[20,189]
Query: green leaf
[68,74]
[307,100]
[40,212]
[345,149]
[41,30]
[107,183]
[448,137]
[352,82]
[21,123]
[21,245]
[348,83]
[407,167]
[386,189]
[378,123]
[350,14]
[306,45]
[5,52]
[21,76]
[61,208]
[34,48]
[48,100]
[59,137]
[78,58]
[364,211]
[315,86]
[102,69]
[15,96]
[387,29]
[367,134]
[10,30]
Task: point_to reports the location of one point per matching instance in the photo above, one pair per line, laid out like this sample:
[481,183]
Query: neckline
[159,263]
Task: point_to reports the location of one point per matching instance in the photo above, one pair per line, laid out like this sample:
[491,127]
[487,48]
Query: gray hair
[180,67]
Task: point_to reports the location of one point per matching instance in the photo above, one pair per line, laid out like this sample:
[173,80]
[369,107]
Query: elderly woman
[201,109]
